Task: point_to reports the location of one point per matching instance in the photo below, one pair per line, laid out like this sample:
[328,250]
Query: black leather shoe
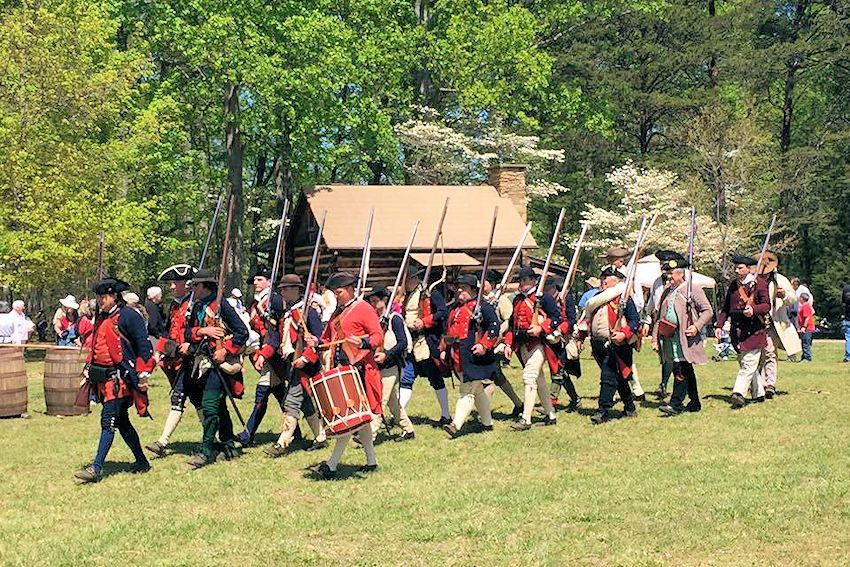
[368,468]
[661,392]
[443,421]
[573,406]
[667,409]
[693,408]
[759,400]
[737,401]
[156,448]
[451,430]
[549,421]
[769,392]
[140,467]
[324,471]
[408,436]
[317,445]
[598,418]
[87,475]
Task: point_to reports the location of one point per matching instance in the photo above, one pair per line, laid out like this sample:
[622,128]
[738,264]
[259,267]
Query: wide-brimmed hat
[70,302]
[770,263]
[176,273]
[742,259]
[204,276]
[341,279]
[110,285]
[617,252]
[290,280]
[593,281]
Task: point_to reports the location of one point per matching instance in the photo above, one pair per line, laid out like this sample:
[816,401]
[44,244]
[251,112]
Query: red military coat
[356,319]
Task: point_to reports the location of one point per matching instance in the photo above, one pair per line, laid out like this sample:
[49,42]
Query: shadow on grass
[343,472]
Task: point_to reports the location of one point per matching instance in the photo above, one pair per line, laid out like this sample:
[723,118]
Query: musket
[689,274]
[219,296]
[101,252]
[206,249]
[280,240]
[643,233]
[555,236]
[437,235]
[476,313]
[764,246]
[568,281]
[385,316]
[305,303]
[364,259]
[517,251]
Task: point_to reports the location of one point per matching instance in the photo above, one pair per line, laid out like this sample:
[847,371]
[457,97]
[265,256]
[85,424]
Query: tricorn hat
[611,271]
[261,271]
[467,279]
[526,273]
[742,259]
[204,276]
[494,277]
[770,263]
[176,273]
[378,291]
[110,285]
[341,279]
[290,280]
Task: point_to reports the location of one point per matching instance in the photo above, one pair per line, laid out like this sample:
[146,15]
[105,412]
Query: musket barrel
[514,258]
[555,236]
[280,239]
[427,274]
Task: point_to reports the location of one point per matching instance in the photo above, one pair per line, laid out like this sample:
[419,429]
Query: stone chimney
[509,181]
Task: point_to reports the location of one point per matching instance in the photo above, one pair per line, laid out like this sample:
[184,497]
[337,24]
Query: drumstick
[340,341]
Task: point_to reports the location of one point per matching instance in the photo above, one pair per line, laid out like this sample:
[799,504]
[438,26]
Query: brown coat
[692,347]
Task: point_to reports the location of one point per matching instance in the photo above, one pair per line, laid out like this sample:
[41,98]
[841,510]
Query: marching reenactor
[116,373]
[781,331]
[746,304]
[263,316]
[677,335]
[390,359]
[611,336]
[561,368]
[175,359]
[218,335]
[617,256]
[293,330]
[532,319]
[355,333]
[659,286]
[426,329]
[469,351]
[503,306]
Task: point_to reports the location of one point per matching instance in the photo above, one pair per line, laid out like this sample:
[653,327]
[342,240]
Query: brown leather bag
[667,329]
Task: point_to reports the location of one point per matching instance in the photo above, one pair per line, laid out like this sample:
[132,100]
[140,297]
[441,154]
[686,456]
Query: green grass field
[766,485]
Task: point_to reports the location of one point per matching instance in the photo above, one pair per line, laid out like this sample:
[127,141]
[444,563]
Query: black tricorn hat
[673,263]
[467,279]
[494,277]
[110,285]
[378,291]
[204,276]
[176,273]
[341,279]
[262,271]
[743,259]
[664,255]
[612,271]
[526,272]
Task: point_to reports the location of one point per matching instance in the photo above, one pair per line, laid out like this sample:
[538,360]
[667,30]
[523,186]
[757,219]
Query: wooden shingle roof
[398,207]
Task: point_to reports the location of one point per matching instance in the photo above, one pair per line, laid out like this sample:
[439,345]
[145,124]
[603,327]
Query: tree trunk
[283,177]
[235,157]
[788,102]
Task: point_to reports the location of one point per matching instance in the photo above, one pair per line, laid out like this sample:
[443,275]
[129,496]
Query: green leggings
[216,419]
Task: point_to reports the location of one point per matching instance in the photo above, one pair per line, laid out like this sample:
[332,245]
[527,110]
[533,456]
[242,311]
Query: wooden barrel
[62,370]
[13,382]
